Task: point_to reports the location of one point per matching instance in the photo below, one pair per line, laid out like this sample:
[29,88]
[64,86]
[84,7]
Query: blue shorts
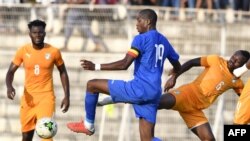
[145,100]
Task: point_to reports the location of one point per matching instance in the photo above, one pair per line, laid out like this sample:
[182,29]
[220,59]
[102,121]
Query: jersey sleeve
[134,52]
[18,58]
[207,61]
[137,43]
[58,58]
[172,56]
[136,47]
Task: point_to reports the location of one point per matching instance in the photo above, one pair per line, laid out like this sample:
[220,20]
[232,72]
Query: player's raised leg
[94,87]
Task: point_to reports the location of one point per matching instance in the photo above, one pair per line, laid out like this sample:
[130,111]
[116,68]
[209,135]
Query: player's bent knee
[91,84]
[167,101]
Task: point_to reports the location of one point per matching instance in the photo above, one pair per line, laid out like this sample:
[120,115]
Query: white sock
[89,126]
[105,101]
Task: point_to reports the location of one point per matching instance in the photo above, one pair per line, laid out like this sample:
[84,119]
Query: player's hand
[65,104]
[170,83]
[87,65]
[11,92]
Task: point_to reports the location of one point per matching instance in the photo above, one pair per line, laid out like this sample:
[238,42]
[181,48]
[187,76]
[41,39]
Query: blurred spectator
[78,17]
[8,21]
[10,1]
[190,4]
[135,2]
[143,2]
[187,3]
[149,2]
[45,12]
[201,4]
[172,3]
[241,5]
[221,4]
[104,1]
[208,4]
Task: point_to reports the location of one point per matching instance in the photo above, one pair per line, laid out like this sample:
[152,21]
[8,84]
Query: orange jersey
[193,97]
[212,82]
[38,66]
[215,79]
[242,114]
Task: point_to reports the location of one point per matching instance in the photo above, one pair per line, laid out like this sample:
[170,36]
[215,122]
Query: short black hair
[246,54]
[149,14]
[37,23]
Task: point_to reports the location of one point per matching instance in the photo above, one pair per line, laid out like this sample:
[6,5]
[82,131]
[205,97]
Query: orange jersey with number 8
[38,65]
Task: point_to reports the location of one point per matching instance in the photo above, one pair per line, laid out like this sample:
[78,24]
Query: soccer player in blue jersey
[148,51]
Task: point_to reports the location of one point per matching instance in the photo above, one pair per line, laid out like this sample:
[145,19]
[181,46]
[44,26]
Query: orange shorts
[189,106]
[242,112]
[34,107]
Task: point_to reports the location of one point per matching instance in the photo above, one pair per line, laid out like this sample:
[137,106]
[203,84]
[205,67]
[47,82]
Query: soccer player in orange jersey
[242,113]
[190,99]
[38,99]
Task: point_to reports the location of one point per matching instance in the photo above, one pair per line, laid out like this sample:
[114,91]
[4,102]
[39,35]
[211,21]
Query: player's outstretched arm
[185,67]
[188,65]
[118,65]
[65,83]
[171,82]
[9,79]
[176,66]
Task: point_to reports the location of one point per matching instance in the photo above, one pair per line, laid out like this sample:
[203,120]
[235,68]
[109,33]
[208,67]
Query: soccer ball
[46,128]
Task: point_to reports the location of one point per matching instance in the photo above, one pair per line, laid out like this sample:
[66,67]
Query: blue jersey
[150,50]
[153,49]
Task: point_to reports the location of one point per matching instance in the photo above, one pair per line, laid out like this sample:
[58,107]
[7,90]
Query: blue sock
[90,106]
[156,139]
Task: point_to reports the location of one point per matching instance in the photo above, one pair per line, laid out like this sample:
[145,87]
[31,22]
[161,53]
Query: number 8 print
[36,69]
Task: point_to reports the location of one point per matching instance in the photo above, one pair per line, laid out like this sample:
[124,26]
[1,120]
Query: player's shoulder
[24,47]
[52,48]
[155,33]
[215,57]
[27,45]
